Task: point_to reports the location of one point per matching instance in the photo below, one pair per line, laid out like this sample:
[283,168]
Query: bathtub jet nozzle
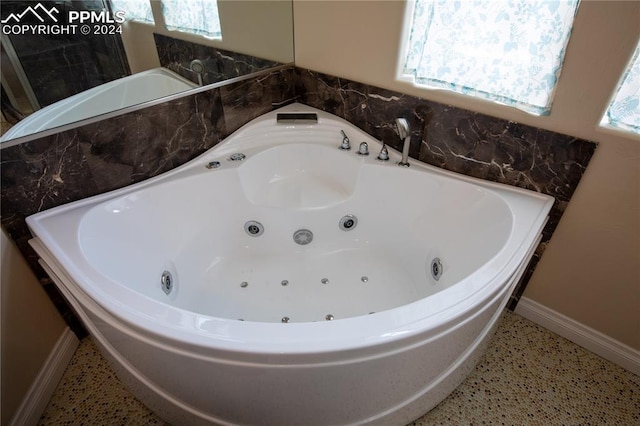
[436,268]
[166,282]
[348,222]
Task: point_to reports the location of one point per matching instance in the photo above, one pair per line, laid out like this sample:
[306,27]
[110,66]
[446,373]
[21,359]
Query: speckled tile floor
[529,376]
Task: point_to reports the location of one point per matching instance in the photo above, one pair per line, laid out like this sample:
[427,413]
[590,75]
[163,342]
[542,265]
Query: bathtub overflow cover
[166,282]
[436,268]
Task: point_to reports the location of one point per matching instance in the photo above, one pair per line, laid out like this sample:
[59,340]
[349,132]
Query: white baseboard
[45,383]
[590,339]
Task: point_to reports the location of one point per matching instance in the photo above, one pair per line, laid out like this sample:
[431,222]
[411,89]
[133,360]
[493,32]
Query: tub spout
[402,128]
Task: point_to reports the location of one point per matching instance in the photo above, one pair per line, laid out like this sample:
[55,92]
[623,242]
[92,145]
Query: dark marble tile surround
[99,157]
[219,64]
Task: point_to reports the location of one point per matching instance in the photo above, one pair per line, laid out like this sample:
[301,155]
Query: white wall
[261,28]
[30,327]
[591,269]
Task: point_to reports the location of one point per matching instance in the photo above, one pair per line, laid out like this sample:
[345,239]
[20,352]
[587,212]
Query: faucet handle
[384,154]
[345,141]
[363,149]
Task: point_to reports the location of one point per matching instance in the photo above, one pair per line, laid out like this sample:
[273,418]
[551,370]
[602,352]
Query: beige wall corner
[261,28]
[590,271]
[30,328]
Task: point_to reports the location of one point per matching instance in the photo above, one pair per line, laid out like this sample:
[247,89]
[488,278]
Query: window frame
[466,92]
[604,125]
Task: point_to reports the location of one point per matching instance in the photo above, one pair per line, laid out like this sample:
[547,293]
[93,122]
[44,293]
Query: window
[509,52]
[624,110]
[135,10]
[192,16]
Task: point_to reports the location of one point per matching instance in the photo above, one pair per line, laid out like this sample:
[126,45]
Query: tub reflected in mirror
[40,69]
[115,95]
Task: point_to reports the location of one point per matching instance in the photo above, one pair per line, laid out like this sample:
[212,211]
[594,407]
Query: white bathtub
[351,328]
[112,96]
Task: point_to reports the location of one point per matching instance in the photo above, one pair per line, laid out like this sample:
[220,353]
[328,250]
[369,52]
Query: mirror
[65,76]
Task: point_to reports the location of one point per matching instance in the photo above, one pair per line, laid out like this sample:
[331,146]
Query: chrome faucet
[402,127]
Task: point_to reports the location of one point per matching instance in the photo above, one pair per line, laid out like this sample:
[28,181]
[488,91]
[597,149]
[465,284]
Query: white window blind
[135,10]
[624,111]
[193,16]
[510,52]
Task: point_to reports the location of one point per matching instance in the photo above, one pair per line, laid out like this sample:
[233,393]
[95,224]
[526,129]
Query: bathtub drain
[303,236]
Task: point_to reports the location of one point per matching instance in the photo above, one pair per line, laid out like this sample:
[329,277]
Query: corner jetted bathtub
[280,280]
